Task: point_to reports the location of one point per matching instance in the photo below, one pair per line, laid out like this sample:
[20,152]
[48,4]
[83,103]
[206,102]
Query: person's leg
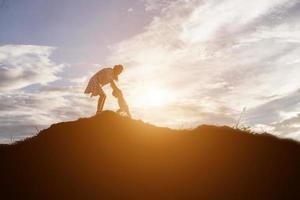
[101,101]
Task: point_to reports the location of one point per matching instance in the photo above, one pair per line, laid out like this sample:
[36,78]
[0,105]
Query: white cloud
[24,109]
[151,5]
[214,18]
[24,65]
[230,52]
[211,57]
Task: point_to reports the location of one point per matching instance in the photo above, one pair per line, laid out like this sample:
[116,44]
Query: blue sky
[191,61]
[69,25]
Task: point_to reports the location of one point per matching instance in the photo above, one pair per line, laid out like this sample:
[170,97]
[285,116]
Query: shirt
[100,79]
[104,76]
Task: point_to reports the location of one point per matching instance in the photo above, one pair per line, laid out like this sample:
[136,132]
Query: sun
[155,97]
[152,96]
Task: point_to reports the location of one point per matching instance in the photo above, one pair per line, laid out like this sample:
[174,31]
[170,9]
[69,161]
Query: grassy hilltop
[113,157]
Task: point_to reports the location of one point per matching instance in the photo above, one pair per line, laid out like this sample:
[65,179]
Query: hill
[113,157]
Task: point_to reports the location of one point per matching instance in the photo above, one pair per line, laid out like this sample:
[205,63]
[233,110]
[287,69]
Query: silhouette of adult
[101,78]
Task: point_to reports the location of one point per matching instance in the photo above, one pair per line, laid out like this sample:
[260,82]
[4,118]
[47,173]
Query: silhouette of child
[123,107]
[103,77]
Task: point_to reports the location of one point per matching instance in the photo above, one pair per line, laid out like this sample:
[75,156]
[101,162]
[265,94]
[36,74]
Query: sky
[187,62]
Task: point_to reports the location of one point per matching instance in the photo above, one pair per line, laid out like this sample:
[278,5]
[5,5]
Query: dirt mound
[113,157]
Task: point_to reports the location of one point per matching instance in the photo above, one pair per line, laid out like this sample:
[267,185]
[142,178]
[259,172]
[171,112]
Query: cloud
[212,58]
[217,19]
[24,111]
[277,110]
[130,10]
[288,126]
[24,65]
[151,5]
[232,53]
[280,116]
[31,96]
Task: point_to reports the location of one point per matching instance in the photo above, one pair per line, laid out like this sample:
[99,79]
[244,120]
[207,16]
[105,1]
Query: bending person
[101,78]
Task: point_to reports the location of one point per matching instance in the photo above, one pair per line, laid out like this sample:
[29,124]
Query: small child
[123,107]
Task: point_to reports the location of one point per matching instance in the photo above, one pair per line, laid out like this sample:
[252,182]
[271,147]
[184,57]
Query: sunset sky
[187,62]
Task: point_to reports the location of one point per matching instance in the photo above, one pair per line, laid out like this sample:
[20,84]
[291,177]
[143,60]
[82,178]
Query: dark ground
[112,157]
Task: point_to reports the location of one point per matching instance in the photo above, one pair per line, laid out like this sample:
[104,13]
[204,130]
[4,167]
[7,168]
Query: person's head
[117,70]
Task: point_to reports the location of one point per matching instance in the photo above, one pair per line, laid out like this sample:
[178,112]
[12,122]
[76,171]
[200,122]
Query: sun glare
[152,97]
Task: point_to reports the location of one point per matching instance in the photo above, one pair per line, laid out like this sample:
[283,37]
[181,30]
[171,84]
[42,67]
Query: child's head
[117,93]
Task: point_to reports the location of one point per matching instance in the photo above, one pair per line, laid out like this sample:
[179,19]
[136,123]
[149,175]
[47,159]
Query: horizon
[186,63]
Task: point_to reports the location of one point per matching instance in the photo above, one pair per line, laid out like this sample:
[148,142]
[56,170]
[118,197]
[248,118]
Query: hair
[117,70]
[119,67]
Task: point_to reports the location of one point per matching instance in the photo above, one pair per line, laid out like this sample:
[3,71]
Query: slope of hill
[112,157]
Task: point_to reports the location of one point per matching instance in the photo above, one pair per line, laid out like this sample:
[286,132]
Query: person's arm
[114,86]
